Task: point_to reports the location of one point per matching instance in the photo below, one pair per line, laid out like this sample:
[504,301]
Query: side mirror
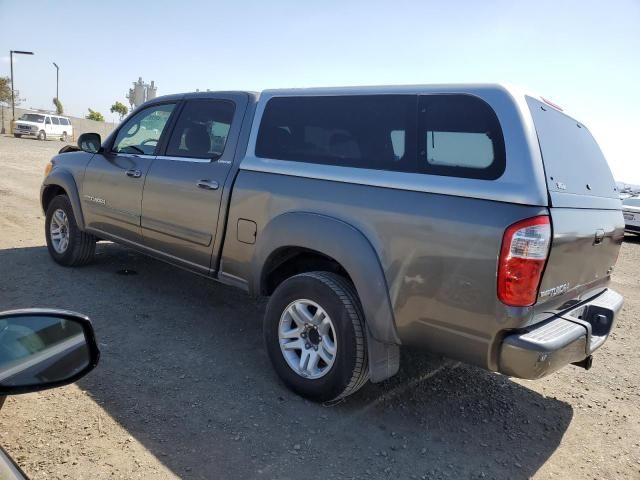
[41,349]
[90,142]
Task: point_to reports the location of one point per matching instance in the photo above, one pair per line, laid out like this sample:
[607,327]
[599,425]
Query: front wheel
[315,338]
[17,135]
[67,244]
[42,135]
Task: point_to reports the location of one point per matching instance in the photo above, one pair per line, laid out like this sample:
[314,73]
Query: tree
[93,115]
[59,107]
[119,108]
[5,92]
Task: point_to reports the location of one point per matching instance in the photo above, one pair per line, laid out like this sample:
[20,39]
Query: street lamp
[57,76]
[13,100]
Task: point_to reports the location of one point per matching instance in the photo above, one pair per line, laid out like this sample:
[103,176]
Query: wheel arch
[61,182]
[287,261]
[329,241]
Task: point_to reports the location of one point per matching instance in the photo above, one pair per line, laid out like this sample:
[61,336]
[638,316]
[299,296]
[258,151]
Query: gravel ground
[184,389]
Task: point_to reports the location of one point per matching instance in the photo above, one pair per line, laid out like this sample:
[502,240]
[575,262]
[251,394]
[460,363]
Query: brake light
[525,247]
[554,105]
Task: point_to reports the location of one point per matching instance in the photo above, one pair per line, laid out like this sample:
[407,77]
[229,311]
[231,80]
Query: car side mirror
[42,348]
[89,142]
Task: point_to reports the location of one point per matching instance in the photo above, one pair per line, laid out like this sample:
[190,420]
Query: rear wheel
[42,135]
[63,137]
[67,244]
[314,335]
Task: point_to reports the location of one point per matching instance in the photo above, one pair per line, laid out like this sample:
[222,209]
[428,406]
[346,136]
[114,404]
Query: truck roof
[386,89]
[478,88]
[365,89]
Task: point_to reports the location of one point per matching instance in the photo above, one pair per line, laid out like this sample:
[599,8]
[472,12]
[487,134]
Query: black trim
[94,351]
[163,141]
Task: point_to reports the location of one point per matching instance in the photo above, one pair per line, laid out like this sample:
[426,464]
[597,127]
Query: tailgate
[584,250]
[585,209]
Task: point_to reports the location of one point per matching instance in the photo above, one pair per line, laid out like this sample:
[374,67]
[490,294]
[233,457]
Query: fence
[80,125]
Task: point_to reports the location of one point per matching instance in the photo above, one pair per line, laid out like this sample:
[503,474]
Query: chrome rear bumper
[570,337]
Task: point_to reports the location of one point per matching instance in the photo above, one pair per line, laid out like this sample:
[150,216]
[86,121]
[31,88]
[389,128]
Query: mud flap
[384,359]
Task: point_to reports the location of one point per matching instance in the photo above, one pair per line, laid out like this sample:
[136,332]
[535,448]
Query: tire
[80,246]
[17,135]
[336,296]
[42,135]
[63,137]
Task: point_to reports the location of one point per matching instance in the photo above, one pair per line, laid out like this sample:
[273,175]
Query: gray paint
[575,257]
[68,173]
[107,179]
[341,241]
[422,250]
[439,264]
[171,189]
[522,182]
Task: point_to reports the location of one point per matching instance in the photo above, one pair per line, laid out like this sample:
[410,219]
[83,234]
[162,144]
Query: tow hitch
[586,363]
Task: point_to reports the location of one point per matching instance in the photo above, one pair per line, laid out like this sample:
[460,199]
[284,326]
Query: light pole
[13,100]
[57,76]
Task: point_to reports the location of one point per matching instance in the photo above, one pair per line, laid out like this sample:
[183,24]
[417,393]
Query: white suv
[43,126]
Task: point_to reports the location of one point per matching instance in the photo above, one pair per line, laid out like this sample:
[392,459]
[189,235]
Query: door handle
[134,173]
[208,184]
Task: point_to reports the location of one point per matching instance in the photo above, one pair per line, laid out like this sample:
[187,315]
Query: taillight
[525,246]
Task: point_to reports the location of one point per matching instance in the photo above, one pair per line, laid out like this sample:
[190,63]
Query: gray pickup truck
[472,220]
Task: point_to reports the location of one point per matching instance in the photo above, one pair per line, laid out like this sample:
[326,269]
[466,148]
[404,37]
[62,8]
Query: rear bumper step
[570,337]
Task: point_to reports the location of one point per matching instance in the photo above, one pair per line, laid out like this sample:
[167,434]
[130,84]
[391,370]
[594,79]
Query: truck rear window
[454,135]
[573,161]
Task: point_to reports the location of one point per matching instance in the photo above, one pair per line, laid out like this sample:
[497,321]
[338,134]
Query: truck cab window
[201,130]
[140,135]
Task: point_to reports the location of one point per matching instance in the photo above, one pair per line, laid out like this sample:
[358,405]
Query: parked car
[43,126]
[475,221]
[631,212]
[41,349]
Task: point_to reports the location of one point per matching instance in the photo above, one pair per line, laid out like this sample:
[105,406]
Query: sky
[583,55]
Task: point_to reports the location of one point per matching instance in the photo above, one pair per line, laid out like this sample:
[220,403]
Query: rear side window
[64,121]
[459,135]
[363,131]
[55,120]
[453,135]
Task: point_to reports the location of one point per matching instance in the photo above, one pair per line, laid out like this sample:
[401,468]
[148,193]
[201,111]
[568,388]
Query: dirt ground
[184,388]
